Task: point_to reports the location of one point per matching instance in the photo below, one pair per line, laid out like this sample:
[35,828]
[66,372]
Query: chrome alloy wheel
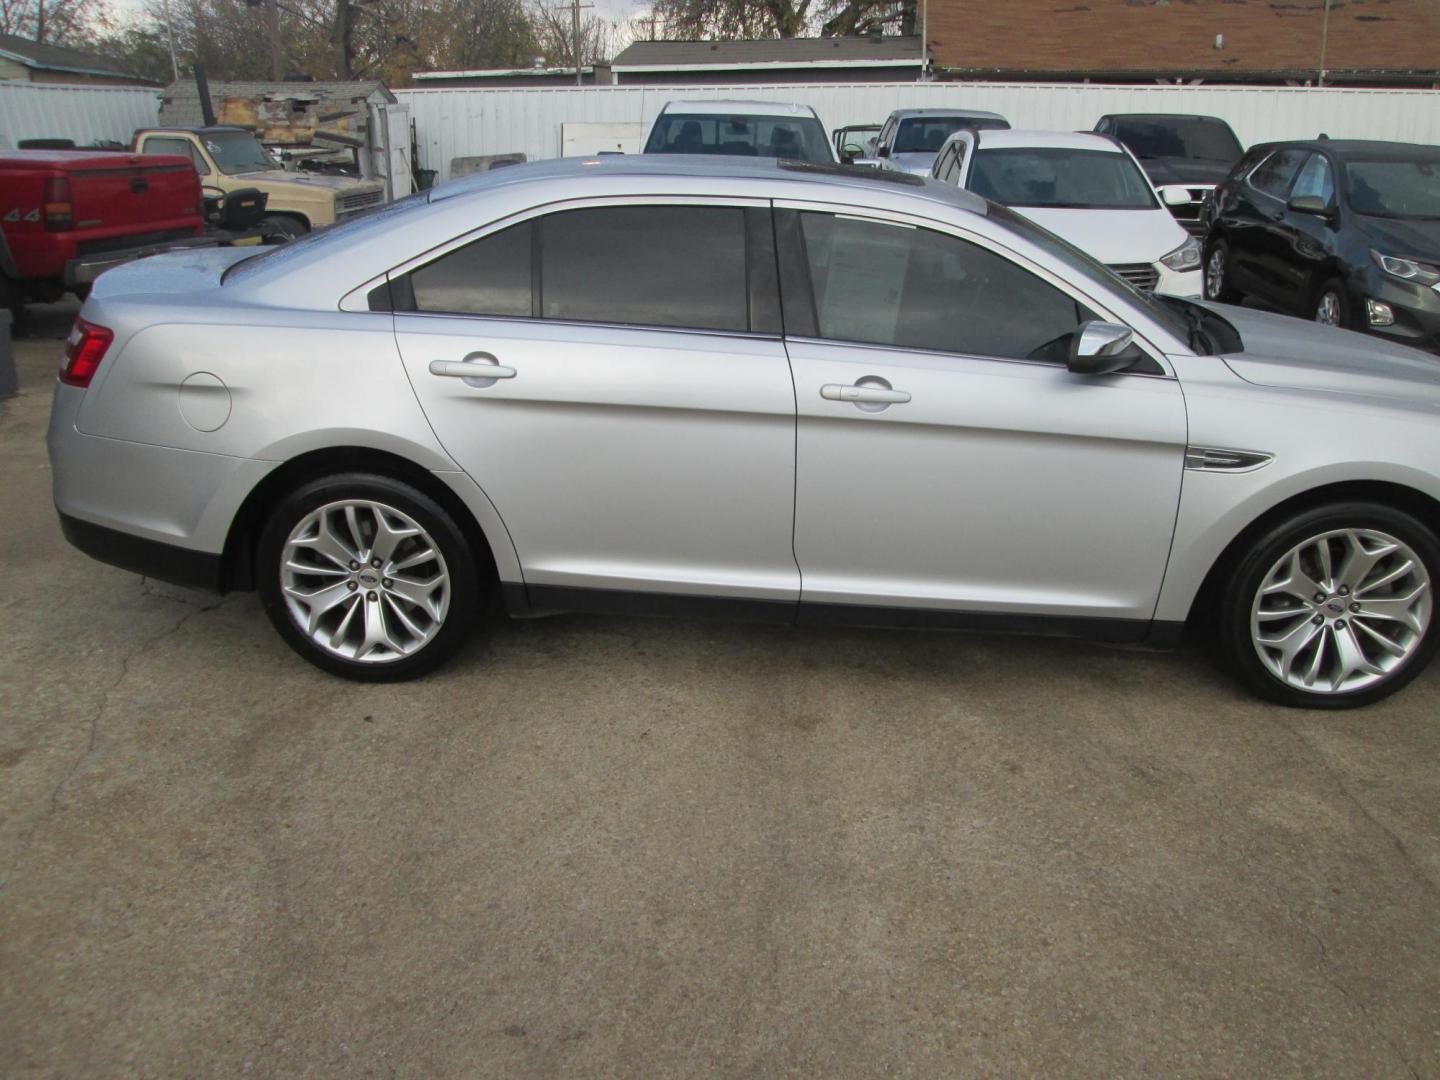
[363,581]
[1341,611]
[1214,274]
[1327,311]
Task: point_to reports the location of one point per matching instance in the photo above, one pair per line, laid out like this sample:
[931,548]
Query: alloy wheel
[1215,274]
[1327,311]
[364,581]
[1341,611]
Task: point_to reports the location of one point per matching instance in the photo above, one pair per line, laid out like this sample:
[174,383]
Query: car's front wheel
[367,577]
[1333,607]
[1217,279]
[1330,306]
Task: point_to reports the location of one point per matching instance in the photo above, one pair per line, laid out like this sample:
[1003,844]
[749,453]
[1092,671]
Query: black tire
[12,298]
[1233,625]
[282,228]
[1334,289]
[459,561]
[1226,293]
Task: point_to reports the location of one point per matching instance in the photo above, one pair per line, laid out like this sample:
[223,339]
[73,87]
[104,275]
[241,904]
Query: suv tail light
[59,213]
[84,349]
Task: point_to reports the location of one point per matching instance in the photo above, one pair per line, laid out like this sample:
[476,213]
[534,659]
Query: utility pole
[575,31]
[170,33]
[1324,41]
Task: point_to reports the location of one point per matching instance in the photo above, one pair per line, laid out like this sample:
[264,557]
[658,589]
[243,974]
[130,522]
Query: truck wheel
[12,298]
[280,228]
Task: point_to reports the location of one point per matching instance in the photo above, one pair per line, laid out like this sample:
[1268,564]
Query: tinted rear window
[926,134]
[1180,137]
[646,265]
[801,138]
[681,266]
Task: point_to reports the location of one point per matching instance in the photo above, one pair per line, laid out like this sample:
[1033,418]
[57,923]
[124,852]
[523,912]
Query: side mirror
[883,151]
[1101,348]
[1310,204]
[1174,196]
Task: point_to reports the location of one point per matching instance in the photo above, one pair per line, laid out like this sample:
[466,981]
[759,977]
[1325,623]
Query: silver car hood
[1286,352]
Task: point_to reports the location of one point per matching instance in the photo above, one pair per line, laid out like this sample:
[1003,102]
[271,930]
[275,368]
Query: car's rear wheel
[1333,608]
[1330,306]
[1217,275]
[367,577]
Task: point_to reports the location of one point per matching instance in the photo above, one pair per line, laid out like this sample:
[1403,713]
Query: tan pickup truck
[231,157]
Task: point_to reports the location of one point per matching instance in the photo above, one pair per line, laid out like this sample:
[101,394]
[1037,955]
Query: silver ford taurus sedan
[741,387]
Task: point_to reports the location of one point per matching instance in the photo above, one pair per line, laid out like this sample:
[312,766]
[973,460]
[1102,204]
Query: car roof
[1067,140]
[1366,148]
[969,114]
[1150,116]
[723,107]
[855,179]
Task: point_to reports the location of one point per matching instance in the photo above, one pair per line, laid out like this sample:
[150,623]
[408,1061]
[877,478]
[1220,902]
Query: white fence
[86,114]
[474,121]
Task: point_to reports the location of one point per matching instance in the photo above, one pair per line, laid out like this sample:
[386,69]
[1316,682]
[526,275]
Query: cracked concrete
[616,847]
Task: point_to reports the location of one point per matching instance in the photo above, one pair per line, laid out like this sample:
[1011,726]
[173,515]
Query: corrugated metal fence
[86,114]
[471,122]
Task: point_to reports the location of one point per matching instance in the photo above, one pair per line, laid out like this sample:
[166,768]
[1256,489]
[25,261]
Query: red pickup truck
[68,215]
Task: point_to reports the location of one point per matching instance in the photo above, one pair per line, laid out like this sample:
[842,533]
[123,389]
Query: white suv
[1087,189]
[741,129]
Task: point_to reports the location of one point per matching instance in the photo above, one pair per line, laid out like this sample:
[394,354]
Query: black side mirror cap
[883,151]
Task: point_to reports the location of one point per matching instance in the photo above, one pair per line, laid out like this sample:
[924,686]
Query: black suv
[1345,233]
[1188,153]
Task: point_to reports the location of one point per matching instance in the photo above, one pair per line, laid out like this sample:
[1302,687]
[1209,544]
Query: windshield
[1090,270]
[1056,177]
[1180,137]
[236,151]
[1395,189]
[926,134]
[799,138]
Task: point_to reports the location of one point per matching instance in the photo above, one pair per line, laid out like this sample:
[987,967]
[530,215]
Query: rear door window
[694,267]
[1276,172]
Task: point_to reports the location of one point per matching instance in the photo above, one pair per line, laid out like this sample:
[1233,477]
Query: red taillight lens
[84,349]
[59,213]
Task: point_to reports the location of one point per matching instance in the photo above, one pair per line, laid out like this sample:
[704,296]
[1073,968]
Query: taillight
[84,349]
[59,213]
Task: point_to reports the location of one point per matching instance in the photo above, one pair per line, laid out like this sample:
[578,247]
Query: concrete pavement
[612,847]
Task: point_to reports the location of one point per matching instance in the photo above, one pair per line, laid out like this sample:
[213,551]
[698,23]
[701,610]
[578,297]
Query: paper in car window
[865,279]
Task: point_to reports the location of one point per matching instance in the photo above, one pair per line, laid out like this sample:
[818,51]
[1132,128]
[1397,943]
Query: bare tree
[734,19]
[554,25]
[52,22]
[869,16]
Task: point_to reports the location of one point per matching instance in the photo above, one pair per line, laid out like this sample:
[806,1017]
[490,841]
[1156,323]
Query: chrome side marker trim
[1223,459]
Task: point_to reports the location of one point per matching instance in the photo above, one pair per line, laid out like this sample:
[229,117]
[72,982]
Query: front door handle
[479,370]
[469,368]
[873,395]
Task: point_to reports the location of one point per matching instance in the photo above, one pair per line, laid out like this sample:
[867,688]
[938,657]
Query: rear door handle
[876,395]
[477,369]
